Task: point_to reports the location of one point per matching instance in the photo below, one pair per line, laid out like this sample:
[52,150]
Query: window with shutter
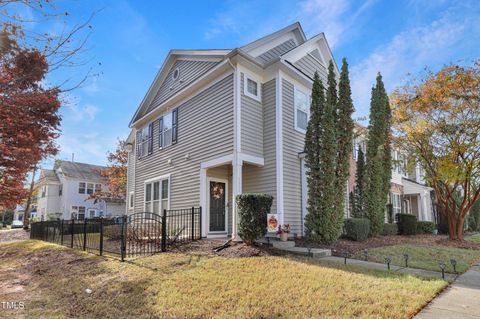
[160,132]
[145,140]
[174,126]
[168,129]
[150,138]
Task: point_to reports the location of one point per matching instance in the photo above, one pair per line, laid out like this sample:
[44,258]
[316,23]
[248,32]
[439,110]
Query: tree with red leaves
[29,119]
[115,174]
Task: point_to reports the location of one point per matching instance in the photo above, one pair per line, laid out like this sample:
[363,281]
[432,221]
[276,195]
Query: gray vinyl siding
[277,51]
[189,71]
[263,179]
[205,132]
[309,65]
[251,123]
[293,143]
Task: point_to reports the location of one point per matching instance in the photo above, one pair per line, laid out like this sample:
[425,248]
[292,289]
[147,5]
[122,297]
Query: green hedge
[425,227]
[407,224]
[390,229]
[252,213]
[357,229]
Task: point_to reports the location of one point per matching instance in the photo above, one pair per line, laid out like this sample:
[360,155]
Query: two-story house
[217,123]
[64,191]
[408,192]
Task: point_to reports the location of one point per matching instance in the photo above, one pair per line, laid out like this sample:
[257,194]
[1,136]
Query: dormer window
[252,87]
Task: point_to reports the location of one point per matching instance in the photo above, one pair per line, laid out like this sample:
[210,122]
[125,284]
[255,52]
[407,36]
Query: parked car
[17,224]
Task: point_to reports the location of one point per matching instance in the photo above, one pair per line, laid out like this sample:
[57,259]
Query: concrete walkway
[460,300]
[393,268]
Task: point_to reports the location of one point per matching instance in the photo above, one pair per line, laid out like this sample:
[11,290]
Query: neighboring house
[63,192]
[19,212]
[217,123]
[408,192]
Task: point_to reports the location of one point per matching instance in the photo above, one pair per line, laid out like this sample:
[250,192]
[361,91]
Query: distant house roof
[82,171]
[48,175]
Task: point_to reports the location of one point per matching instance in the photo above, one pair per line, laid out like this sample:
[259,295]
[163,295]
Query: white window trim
[295,89]
[157,179]
[131,202]
[247,76]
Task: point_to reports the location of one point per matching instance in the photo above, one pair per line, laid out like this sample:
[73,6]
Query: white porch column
[203,200]
[423,205]
[237,189]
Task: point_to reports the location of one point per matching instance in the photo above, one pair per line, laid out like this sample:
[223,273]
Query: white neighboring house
[63,192]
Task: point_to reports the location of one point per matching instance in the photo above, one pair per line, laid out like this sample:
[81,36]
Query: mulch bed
[236,250]
[13,235]
[350,246]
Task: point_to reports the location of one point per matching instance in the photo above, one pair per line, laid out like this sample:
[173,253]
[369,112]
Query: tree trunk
[26,213]
[460,227]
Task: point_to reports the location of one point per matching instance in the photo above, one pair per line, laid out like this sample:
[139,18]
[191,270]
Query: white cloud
[410,51]
[78,113]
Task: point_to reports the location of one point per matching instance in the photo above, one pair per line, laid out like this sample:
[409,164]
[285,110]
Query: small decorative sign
[272,223]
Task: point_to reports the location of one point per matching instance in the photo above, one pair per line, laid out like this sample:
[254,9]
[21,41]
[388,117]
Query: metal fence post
[84,234]
[72,224]
[101,236]
[61,233]
[164,230]
[193,223]
[200,222]
[123,239]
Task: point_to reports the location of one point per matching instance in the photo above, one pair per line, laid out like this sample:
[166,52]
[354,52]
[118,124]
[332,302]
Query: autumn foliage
[29,119]
[115,174]
[438,118]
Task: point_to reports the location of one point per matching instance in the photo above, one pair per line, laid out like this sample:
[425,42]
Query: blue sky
[131,39]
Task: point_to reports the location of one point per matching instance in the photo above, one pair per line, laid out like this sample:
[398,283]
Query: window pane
[167,137]
[148,194]
[165,204]
[81,188]
[165,188]
[156,207]
[302,120]
[156,190]
[167,121]
[89,188]
[301,101]
[98,187]
[252,87]
[148,207]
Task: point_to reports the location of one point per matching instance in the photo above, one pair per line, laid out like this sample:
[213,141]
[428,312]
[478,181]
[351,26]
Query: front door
[217,204]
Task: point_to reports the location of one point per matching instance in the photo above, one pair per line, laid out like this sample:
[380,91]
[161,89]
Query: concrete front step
[313,252]
[282,244]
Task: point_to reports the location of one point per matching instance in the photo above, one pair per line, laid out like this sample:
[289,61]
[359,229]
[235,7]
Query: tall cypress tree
[312,158]
[359,185]
[343,134]
[375,195]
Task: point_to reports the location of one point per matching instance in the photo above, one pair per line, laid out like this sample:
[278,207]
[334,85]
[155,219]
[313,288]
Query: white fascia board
[279,148]
[251,159]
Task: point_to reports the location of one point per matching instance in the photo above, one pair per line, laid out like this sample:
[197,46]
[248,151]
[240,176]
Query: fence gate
[143,234]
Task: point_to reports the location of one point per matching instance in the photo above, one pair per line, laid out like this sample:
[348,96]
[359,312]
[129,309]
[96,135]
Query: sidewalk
[393,268]
[460,300]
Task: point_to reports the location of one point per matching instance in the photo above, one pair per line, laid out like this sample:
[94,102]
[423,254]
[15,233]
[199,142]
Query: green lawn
[423,257]
[201,286]
[474,238]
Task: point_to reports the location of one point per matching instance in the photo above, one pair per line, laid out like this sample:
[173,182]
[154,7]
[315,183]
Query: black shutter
[150,138]
[138,142]
[174,126]
[160,132]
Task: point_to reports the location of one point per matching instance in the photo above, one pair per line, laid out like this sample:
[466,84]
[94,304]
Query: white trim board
[279,142]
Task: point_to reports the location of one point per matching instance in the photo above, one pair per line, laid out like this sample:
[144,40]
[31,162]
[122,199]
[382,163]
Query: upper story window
[98,188]
[81,187]
[302,113]
[251,87]
[145,140]
[44,191]
[60,190]
[89,188]
[168,129]
[396,203]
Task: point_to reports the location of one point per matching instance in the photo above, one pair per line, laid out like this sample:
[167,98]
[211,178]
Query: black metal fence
[127,236]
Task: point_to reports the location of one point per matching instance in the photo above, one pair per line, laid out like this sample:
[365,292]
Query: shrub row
[357,228]
[407,224]
[390,229]
[425,227]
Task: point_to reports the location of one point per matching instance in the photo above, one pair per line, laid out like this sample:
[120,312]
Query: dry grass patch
[53,280]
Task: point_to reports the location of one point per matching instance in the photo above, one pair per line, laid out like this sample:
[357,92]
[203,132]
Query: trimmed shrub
[407,224]
[252,213]
[357,229]
[390,229]
[425,227]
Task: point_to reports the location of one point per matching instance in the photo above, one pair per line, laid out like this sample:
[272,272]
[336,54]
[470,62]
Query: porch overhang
[413,188]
